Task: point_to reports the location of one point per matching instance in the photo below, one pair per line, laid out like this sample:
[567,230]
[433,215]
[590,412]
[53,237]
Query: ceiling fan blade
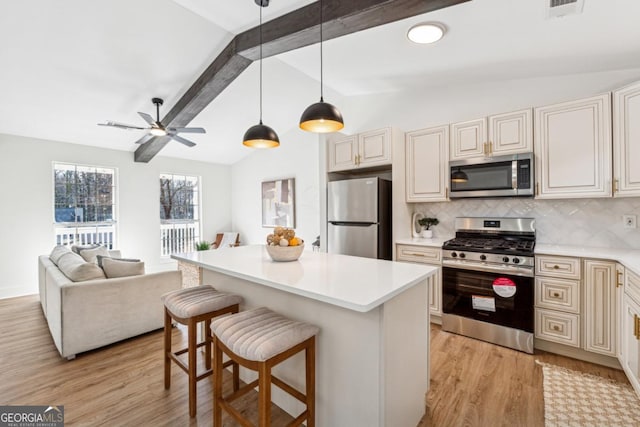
[183,140]
[147,118]
[121,126]
[186,130]
[144,139]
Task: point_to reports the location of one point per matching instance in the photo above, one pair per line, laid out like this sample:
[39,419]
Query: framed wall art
[279,203]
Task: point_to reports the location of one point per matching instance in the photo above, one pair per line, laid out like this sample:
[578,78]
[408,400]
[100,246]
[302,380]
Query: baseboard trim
[576,353]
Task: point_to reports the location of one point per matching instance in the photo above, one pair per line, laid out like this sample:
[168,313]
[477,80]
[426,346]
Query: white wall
[296,157]
[571,221]
[26,211]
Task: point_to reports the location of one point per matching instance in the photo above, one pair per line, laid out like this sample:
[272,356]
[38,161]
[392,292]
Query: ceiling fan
[156,128]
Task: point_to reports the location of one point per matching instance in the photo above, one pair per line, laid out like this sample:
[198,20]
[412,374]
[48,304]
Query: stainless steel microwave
[500,176]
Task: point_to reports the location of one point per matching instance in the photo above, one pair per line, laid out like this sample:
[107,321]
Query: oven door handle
[504,269]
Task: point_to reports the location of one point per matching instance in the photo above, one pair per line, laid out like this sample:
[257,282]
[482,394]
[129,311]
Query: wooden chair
[219,238]
[189,307]
[258,340]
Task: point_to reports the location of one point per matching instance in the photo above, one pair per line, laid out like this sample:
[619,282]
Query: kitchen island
[372,355]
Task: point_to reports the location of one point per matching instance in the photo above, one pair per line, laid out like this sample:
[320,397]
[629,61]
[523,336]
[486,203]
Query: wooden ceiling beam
[293,30]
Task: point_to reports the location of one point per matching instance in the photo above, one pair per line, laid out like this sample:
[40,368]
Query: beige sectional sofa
[84,315]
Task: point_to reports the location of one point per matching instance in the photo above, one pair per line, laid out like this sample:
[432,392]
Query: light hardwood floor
[472,383]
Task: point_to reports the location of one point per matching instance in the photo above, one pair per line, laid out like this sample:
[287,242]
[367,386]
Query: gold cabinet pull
[485,148]
[615,186]
[415,254]
[446,192]
[635,326]
[537,189]
[555,267]
[556,327]
[490,145]
[555,294]
[618,281]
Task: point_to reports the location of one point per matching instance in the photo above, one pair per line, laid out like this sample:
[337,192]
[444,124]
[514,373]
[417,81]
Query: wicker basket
[285,253]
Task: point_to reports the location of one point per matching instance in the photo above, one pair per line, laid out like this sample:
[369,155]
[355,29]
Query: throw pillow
[57,253]
[89,255]
[100,259]
[77,269]
[118,268]
[78,248]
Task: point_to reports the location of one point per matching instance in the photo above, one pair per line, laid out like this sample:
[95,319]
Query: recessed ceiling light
[426,32]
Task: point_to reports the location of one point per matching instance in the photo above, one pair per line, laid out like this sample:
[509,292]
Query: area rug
[576,399]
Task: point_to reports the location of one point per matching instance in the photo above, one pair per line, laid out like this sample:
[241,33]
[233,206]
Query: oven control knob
[454,254]
[483,257]
[516,260]
[505,259]
[462,255]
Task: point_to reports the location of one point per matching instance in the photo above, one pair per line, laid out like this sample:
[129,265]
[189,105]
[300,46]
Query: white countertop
[630,258]
[436,242]
[355,283]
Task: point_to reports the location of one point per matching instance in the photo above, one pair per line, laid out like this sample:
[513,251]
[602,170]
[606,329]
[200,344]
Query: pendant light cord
[321,72]
[260,64]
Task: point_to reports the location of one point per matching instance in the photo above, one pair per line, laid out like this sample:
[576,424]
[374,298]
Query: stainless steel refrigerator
[359,217]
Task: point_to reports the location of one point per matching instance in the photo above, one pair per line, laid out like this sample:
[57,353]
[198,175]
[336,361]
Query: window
[179,213]
[84,205]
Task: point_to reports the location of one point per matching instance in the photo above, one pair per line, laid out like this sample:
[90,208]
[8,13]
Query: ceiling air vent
[558,8]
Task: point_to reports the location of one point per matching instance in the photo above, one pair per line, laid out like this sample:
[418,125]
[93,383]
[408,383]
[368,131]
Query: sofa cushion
[57,252]
[89,255]
[77,269]
[78,248]
[120,268]
[100,258]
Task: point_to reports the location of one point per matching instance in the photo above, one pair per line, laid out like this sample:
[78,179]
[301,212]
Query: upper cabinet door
[573,149]
[374,148]
[626,141]
[511,133]
[342,153]
[469,139]
[427,164]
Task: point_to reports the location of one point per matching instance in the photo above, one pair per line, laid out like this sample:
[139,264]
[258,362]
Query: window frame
[166,224]
[77,236]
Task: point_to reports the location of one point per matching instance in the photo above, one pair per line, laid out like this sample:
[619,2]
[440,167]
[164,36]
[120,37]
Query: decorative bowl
[285,253]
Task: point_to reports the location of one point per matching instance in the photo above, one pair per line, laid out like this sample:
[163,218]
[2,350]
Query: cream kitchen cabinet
[600,313]
[557,299]
[626,138]
[426,165]
[367,149]
[620,279]
[572,142]
[630,322]
[500,134]
[431,256]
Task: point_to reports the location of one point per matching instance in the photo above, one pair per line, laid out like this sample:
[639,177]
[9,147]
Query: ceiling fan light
[321,117]
[426,32]
[459,176]
[261,136]
[158,132]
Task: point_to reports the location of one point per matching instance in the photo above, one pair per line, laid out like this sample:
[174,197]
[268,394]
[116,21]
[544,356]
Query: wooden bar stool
[189,307]
[259,339]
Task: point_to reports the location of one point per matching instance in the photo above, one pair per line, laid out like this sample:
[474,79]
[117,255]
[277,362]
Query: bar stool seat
[189,307]
[259,339]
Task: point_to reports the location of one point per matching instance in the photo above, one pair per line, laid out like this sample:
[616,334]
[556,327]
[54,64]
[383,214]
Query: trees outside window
[84,204]
[179,213]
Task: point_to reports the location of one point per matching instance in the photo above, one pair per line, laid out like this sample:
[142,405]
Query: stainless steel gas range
[488,283]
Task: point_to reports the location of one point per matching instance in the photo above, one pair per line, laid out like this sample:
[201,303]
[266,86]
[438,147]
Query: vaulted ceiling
[65,66]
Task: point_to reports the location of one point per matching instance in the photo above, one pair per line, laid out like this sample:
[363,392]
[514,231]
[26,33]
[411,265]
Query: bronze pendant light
[261,135]
[459,176]
[321,117]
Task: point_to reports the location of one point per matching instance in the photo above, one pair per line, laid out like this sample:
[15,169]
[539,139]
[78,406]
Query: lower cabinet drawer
[558,294]
[416,253]
[632,285]
[558,327]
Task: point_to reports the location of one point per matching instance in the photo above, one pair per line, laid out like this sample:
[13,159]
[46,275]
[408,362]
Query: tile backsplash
[583,222]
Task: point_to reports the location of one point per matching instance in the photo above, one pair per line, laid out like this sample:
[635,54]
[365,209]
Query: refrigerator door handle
[353,224]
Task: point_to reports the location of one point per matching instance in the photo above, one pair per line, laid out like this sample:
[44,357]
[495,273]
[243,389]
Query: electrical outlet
[629,221]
